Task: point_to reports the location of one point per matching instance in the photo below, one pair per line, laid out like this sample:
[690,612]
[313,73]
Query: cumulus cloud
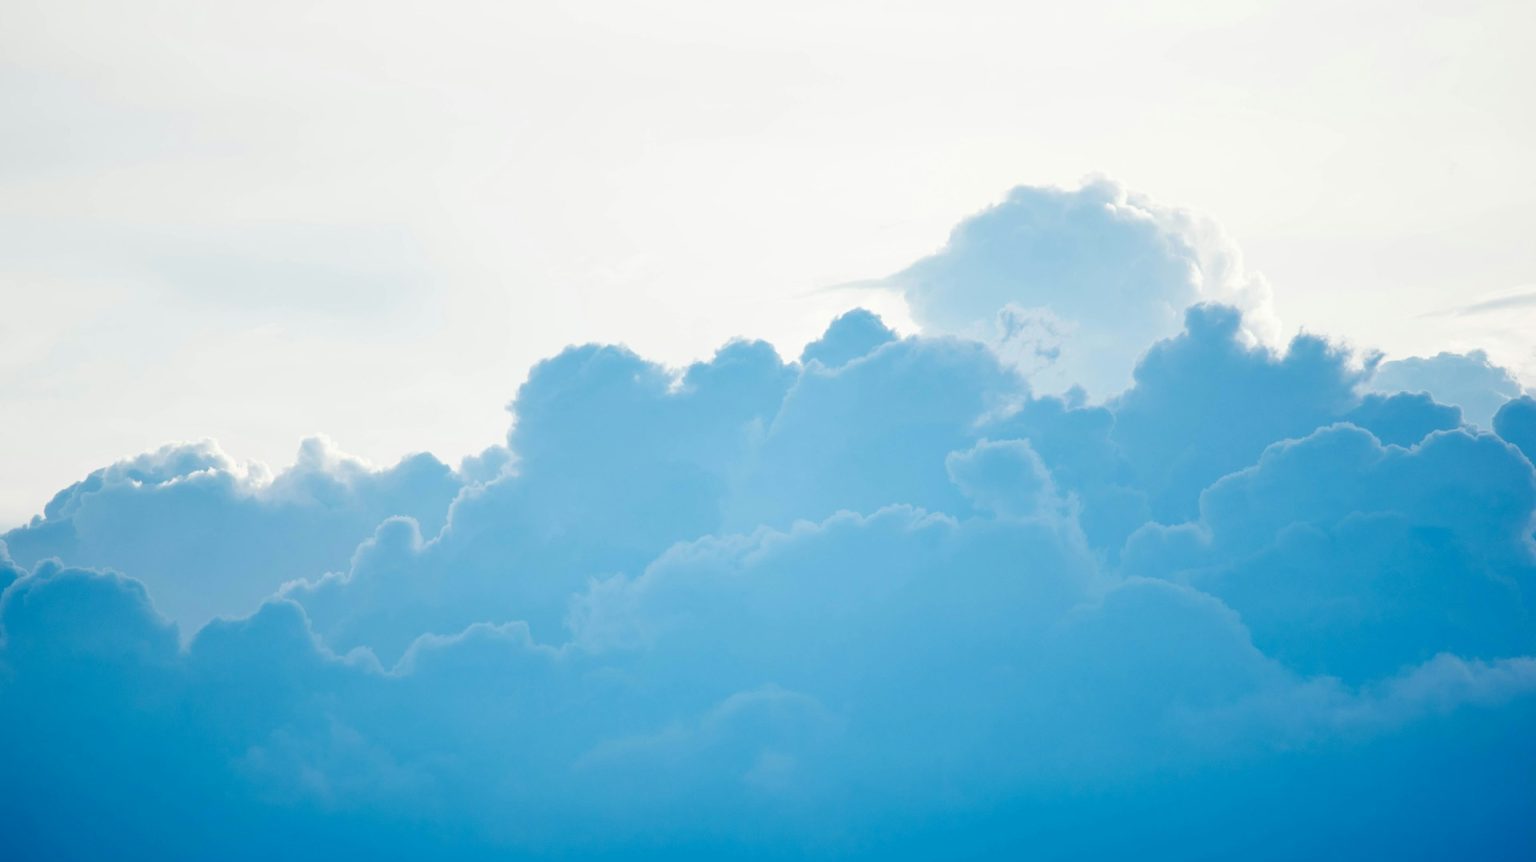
[1516,423]
[887,600]
[211,536]
[1071,285]
[1346,558]
[1467,380]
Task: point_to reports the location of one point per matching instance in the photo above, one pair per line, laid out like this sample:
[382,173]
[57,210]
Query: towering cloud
[886,601]
[1071,285]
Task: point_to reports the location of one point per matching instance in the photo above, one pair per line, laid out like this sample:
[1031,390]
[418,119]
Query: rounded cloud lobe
[1071,285]
[212,537]
[1468,380]
[885,601]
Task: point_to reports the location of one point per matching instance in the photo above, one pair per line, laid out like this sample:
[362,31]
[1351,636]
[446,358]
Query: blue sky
[853,432]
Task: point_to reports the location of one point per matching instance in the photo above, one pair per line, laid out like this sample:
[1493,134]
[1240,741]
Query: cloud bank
[887,600]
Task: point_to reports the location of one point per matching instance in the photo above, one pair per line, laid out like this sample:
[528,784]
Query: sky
[214,220]
[852,431]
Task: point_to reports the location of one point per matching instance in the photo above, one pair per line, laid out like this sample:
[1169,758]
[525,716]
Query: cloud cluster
[886,600]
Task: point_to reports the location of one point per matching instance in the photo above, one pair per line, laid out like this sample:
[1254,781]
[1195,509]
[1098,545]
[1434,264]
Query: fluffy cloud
[885,601]
[210,536]
[865,686]
[1353,559]
[1467,380]
[1516,423]
[1072,285]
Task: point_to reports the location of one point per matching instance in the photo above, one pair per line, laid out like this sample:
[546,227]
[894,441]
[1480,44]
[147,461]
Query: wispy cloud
[1519,299]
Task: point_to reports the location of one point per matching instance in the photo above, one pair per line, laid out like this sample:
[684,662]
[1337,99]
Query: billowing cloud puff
[1516,423]
[885,601]
[1467,380]
[210,536]
[1072,285]
[1339,552]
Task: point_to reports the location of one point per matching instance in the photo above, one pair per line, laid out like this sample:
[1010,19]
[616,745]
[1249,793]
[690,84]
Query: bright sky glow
[258,222]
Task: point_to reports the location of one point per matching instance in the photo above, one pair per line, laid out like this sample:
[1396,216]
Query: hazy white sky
[255,222]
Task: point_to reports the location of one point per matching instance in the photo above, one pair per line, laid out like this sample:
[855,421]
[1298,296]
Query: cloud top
[1073,284]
